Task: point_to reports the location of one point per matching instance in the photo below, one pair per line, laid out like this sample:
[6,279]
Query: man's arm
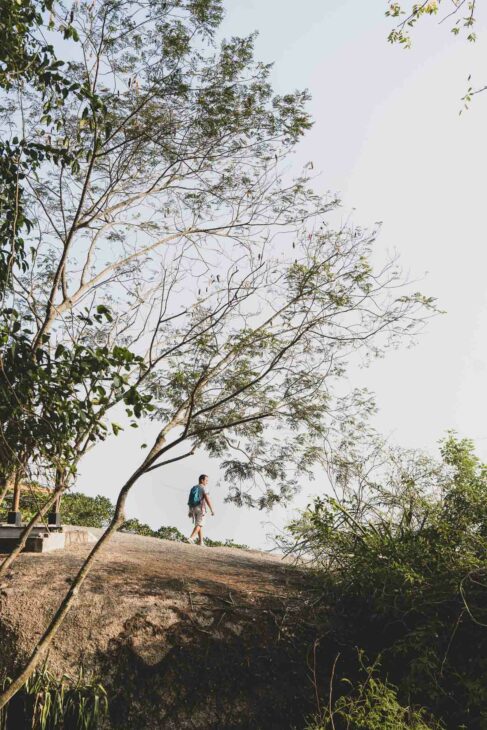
[207,500]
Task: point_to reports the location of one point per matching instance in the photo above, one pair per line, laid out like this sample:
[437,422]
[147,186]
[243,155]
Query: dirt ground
[181,636]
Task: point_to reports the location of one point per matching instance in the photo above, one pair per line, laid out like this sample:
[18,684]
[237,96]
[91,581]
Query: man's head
[203,480]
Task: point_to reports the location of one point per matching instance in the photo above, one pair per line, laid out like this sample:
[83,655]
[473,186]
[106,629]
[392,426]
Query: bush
[137,528]
[401,556]
[371,704]
[169,533]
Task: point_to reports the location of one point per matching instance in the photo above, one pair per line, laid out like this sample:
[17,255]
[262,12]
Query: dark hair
[201,477]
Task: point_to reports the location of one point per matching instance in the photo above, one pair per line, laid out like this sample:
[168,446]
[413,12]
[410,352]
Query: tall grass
[48,702]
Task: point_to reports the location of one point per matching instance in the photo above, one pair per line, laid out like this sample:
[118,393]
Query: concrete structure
[42,539]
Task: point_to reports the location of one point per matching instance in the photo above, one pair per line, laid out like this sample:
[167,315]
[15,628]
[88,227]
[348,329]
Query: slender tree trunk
[57,504]
[4,487]
[3,493]
[16,495]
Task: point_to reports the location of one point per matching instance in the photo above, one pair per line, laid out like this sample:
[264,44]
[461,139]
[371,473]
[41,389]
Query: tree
[79,509]
[460,15]
[180,144]
[52,407]
[147,143]
[31,402]
[247,371]
[169,533]
[177,237]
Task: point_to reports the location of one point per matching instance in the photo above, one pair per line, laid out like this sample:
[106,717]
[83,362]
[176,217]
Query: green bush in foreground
[402,563]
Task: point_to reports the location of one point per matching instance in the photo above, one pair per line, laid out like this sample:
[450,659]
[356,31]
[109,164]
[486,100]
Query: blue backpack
[195,496]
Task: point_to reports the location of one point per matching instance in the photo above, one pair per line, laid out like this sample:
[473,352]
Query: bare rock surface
[181,636]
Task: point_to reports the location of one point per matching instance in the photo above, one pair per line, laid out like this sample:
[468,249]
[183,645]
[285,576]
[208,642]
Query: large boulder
[180,636]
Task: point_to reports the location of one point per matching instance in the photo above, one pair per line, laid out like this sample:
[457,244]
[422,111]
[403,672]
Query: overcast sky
[388,137]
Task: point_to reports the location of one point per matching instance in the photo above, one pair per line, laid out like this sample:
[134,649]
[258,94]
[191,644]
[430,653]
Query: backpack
[195,496]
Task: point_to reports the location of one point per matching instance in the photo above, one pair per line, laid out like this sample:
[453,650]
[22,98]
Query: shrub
[401,557]
[371,704]
[169,533]
[137,528]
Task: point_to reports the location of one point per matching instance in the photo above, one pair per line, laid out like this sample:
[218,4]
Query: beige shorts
[198,516]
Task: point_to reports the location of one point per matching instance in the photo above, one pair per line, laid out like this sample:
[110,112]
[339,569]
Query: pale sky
[389,139]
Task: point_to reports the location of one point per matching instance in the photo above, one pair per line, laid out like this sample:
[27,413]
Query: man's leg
[200,536]
[195,523]
[197,528]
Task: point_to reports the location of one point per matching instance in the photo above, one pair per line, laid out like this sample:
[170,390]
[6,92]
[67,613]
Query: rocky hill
[181,636]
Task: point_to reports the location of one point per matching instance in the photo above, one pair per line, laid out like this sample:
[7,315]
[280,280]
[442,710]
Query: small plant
[371,704]
[47,702]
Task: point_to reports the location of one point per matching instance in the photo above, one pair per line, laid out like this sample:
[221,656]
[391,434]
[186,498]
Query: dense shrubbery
[401,559]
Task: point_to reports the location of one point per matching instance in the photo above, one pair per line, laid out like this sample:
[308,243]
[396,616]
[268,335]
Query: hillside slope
[182,637]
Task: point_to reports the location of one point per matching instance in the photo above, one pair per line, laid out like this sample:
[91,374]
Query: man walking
[197,503]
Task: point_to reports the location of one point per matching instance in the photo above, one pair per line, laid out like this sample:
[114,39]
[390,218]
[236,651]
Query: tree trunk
[5,485]
[16,494]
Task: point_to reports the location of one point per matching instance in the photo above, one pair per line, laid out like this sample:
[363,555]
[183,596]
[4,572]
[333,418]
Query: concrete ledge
[44,541]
